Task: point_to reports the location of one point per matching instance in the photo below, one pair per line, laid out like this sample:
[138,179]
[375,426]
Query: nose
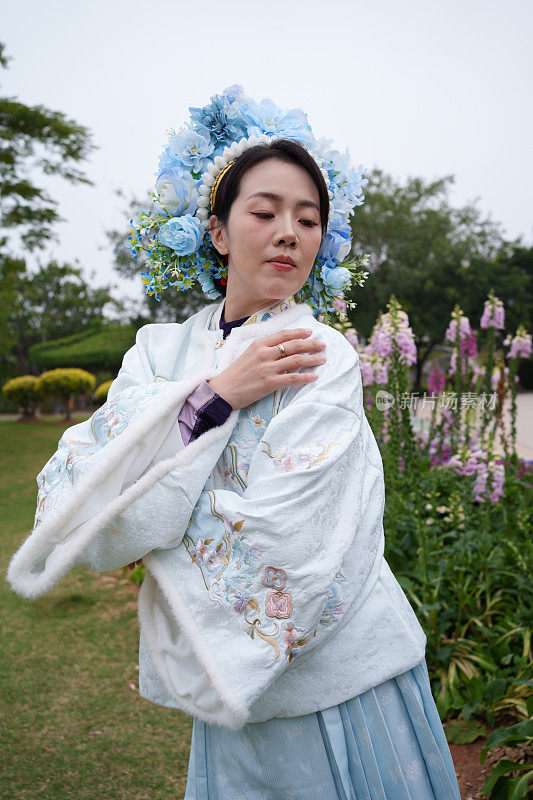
[286,233]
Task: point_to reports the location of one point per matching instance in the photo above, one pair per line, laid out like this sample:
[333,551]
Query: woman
[253,491]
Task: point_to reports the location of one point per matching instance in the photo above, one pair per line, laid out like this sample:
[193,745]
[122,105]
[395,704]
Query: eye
[308,223]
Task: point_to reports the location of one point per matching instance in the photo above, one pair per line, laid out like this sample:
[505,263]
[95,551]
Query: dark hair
[282,149]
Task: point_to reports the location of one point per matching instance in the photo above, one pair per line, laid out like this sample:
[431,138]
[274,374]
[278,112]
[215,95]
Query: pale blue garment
[385,744]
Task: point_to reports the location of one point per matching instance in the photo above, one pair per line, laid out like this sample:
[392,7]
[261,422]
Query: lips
[282,265]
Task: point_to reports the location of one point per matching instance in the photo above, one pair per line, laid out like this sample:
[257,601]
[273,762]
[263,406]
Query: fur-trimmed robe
[266,591]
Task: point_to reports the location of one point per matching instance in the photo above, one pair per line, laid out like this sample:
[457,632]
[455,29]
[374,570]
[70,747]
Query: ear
[218,235]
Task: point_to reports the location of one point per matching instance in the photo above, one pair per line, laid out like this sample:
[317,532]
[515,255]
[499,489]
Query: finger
[286,335]
[300,361]
[296,347]
[284,379]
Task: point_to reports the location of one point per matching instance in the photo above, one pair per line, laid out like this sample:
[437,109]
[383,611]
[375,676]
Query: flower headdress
[173,233]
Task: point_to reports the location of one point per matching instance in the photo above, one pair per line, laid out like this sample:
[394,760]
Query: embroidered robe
[266,590]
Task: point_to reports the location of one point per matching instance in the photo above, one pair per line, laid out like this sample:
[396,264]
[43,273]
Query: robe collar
[264,313]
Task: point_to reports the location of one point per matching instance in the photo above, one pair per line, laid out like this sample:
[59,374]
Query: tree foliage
[431,256]
[54,302]
[36,139]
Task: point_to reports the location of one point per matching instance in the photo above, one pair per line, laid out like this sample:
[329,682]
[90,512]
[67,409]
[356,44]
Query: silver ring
[282,350]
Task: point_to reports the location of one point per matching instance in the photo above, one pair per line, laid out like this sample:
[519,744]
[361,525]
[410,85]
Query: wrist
[222,391]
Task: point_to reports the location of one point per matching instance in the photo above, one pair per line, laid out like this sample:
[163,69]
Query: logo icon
[384,400]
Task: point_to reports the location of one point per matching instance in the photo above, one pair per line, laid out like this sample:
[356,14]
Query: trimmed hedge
[101,348]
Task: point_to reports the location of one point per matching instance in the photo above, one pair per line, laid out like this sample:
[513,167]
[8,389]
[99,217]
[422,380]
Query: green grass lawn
[72,722]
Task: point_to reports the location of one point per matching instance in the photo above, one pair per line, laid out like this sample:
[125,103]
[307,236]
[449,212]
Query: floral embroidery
[333,606]
[116,414]
[274,578]
[236,457]
[73,455]
[279,605]
[228,567]
[296,460]
[293,642]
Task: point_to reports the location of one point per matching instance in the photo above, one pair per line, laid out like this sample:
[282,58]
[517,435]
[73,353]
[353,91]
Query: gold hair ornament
[216,183]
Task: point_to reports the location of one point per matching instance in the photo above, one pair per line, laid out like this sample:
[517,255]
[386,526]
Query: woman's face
[261,228]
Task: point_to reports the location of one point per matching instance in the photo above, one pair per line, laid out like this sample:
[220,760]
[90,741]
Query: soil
[471,775]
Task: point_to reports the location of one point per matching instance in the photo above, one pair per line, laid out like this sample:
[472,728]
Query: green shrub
[64,384]
[23,391]
[93,349]
[100,393]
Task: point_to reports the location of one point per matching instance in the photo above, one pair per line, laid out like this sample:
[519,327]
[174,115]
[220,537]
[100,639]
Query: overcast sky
[416,88]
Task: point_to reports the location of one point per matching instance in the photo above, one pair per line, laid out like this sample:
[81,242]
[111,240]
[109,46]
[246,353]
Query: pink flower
[521,345]
[381,373]
[437,380]
[476,464]
[469,346]
[367,370]
[279,605]
[464,329]
[493,314]
[290,636]
[351,336]
[382,342]
[274,577]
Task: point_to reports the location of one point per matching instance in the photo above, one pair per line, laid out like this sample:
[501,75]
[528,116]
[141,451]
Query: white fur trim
[59,561]
[235,712]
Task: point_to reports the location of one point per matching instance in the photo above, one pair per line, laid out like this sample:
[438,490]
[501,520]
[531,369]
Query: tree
[35,138]
[65,384]
[423,251]
[52,303]
[23,392]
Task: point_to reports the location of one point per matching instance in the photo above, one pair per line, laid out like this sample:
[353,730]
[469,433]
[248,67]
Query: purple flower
[241,601]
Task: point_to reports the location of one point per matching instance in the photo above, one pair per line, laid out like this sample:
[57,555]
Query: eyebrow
[278,198]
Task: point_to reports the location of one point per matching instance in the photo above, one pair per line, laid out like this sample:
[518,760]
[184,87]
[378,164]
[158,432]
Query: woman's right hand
[261,369]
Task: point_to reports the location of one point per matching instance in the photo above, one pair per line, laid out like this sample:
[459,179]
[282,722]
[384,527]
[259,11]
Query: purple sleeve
[202,410]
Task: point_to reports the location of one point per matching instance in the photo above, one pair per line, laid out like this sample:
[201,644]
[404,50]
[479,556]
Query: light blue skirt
[385,744]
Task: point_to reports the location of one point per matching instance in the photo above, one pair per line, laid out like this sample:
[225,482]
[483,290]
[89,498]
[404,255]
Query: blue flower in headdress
[223,128]
[349,181]
[336,244]
[208,286]
[182,234]
[233,93]
[188,148]
[267,117]
[177,193]
[336,278]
